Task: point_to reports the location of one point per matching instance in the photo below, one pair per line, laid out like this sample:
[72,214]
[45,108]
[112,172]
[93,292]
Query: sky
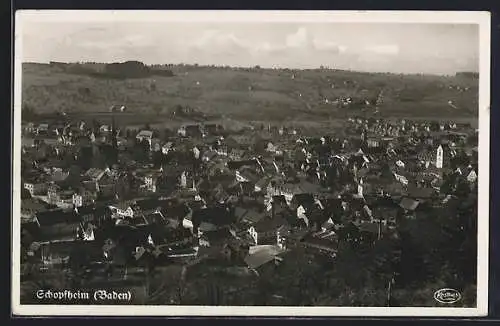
[375,47]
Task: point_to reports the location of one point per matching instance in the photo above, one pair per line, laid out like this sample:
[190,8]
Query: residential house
[246,175]
[242,141]
[373,142]
[95,174]
[269,230]
[167,147]
[83,197]
[36,187]
[28,142]
[209,155]
[262,184]
[421,193]
[190,131]
[151,180]
[145,135]
[248,216]
[212,128]
[53,191]
[105,129]
[65,198]
[289,190]
[472,176]
[236,154]
[147,205]
[93,214]
[85,231]
[42,128]
[325,243]
[217,237]
[212,218]
[57,225]
[409,204]
[156,145]
[52,254]
[122,209]
[222,150]
[261,255]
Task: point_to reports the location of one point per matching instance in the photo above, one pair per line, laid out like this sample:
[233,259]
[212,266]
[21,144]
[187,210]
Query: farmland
[250,94]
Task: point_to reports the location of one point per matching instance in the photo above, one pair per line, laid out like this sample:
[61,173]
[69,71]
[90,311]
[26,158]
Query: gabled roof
[216,215]
[95,173]
[248,215]
[57,216]
[304,199]
[123,204]
[147,204]
[270,224]
[154,218]
[408,204]
[234,165]
[420,192]
[218,235]
[260,255]
[145,133]
[320,243]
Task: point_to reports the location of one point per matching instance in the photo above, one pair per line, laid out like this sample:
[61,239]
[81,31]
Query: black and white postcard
[251,163]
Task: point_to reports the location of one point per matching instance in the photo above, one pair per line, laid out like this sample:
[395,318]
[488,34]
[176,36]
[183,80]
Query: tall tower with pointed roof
[439,157]
[114,141]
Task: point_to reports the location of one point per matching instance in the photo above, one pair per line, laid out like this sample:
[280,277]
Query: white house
[196,152]
[472,177]
[35,188]
[254,235]
[145,135]
[122,210]
[301,214]
[150,182]
[166,148]
[77,200]
[400,164]
[183,180]
[360,187]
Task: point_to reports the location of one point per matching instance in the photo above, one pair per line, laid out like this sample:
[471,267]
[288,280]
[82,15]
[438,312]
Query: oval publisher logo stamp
[447,296]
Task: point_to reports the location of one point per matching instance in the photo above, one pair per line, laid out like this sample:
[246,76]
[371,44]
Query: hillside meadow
[251,94]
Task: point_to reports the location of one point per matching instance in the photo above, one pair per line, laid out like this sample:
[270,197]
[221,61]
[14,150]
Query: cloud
[267,48]
[223,42]
[387,49]
[299,39]
[329,46]
[302,39]
[214,38]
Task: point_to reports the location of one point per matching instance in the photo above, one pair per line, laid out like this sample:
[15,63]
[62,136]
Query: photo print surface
[251,163]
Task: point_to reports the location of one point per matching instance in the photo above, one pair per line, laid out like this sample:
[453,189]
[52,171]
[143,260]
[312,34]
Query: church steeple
[114,141]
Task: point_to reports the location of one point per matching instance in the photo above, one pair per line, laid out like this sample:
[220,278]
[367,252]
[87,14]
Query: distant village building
[145,135]
[373,142]
[183,180]
[196,152]
[360,188]
[36,188]
[190,131]
[472,176]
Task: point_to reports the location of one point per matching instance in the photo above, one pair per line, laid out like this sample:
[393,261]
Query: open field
[250,94]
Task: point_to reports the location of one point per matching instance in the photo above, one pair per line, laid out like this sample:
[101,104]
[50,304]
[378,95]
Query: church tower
[114,141]
[439,157]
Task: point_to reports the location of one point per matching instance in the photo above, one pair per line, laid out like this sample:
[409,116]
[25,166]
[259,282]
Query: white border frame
[483,19]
